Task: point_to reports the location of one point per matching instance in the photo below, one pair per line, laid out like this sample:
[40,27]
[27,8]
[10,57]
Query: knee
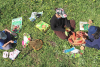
[63,37]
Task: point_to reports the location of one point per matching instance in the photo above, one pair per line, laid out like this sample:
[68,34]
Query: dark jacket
[58,24]
[93,42]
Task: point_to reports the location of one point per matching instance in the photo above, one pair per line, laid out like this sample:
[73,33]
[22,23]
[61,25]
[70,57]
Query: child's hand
[86,34]
[90,21]
[67,30]
[84,37]
[65,26]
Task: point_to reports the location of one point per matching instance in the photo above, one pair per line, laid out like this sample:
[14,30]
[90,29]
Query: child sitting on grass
[5,39]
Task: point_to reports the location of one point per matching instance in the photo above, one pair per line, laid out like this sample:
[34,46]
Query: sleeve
[53,27]
[3,31]
[67,22]
[1,47]
[91,43]
[91,36]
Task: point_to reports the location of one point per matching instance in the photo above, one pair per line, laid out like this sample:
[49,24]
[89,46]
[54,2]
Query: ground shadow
[27,53]
[44,65]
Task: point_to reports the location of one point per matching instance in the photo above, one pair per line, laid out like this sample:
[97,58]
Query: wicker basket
[36,44]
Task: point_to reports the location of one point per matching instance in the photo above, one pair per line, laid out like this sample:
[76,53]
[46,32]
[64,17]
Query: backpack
[36,44]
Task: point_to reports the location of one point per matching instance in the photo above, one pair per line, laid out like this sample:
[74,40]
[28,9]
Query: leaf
[66,33]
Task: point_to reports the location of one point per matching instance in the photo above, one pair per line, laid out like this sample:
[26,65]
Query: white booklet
[81,25]
[5,54]
[25,39]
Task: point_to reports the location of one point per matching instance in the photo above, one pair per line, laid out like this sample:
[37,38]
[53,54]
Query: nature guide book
[16,25]
[42,26]
[83,25]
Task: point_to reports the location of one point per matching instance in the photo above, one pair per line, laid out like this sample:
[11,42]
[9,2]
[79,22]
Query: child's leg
[7,47]
[95,46]
[88,45]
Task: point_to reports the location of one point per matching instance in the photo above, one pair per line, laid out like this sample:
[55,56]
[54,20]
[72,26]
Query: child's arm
[90,23]
[8,43]
[6,30]
[10,32]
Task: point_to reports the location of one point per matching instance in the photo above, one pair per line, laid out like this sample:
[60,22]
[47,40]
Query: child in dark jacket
[93,40]
[59,21]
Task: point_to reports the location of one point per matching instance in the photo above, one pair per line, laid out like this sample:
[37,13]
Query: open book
[83,25]
[14,54]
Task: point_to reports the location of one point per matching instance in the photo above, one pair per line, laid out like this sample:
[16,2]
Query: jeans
[95,46]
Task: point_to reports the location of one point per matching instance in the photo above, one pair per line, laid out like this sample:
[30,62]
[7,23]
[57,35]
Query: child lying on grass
[93,39]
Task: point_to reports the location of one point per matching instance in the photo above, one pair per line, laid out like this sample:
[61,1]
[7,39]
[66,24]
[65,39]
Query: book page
[25,39]
[81,25]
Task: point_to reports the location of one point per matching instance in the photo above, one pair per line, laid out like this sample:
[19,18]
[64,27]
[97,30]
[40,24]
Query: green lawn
[51,54]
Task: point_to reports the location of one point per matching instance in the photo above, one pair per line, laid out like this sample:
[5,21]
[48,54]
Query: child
[5,39]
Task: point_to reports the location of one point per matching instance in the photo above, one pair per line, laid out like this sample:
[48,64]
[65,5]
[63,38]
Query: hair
[55,9]
[97,33]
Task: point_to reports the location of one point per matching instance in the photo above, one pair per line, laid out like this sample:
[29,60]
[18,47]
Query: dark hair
[55,9]
[97,33]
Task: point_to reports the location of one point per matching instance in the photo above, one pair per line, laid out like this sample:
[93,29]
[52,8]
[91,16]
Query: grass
[51,54]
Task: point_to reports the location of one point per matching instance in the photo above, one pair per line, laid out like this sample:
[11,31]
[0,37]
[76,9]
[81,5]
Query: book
[15,54]
[32,19]
[5,54]
[26,40]
[42,26]
[34,14]
[83,25]
[16,25]
[11,54]
[39,14]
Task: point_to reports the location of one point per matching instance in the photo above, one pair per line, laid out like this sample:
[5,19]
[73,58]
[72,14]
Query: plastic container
[68,50]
